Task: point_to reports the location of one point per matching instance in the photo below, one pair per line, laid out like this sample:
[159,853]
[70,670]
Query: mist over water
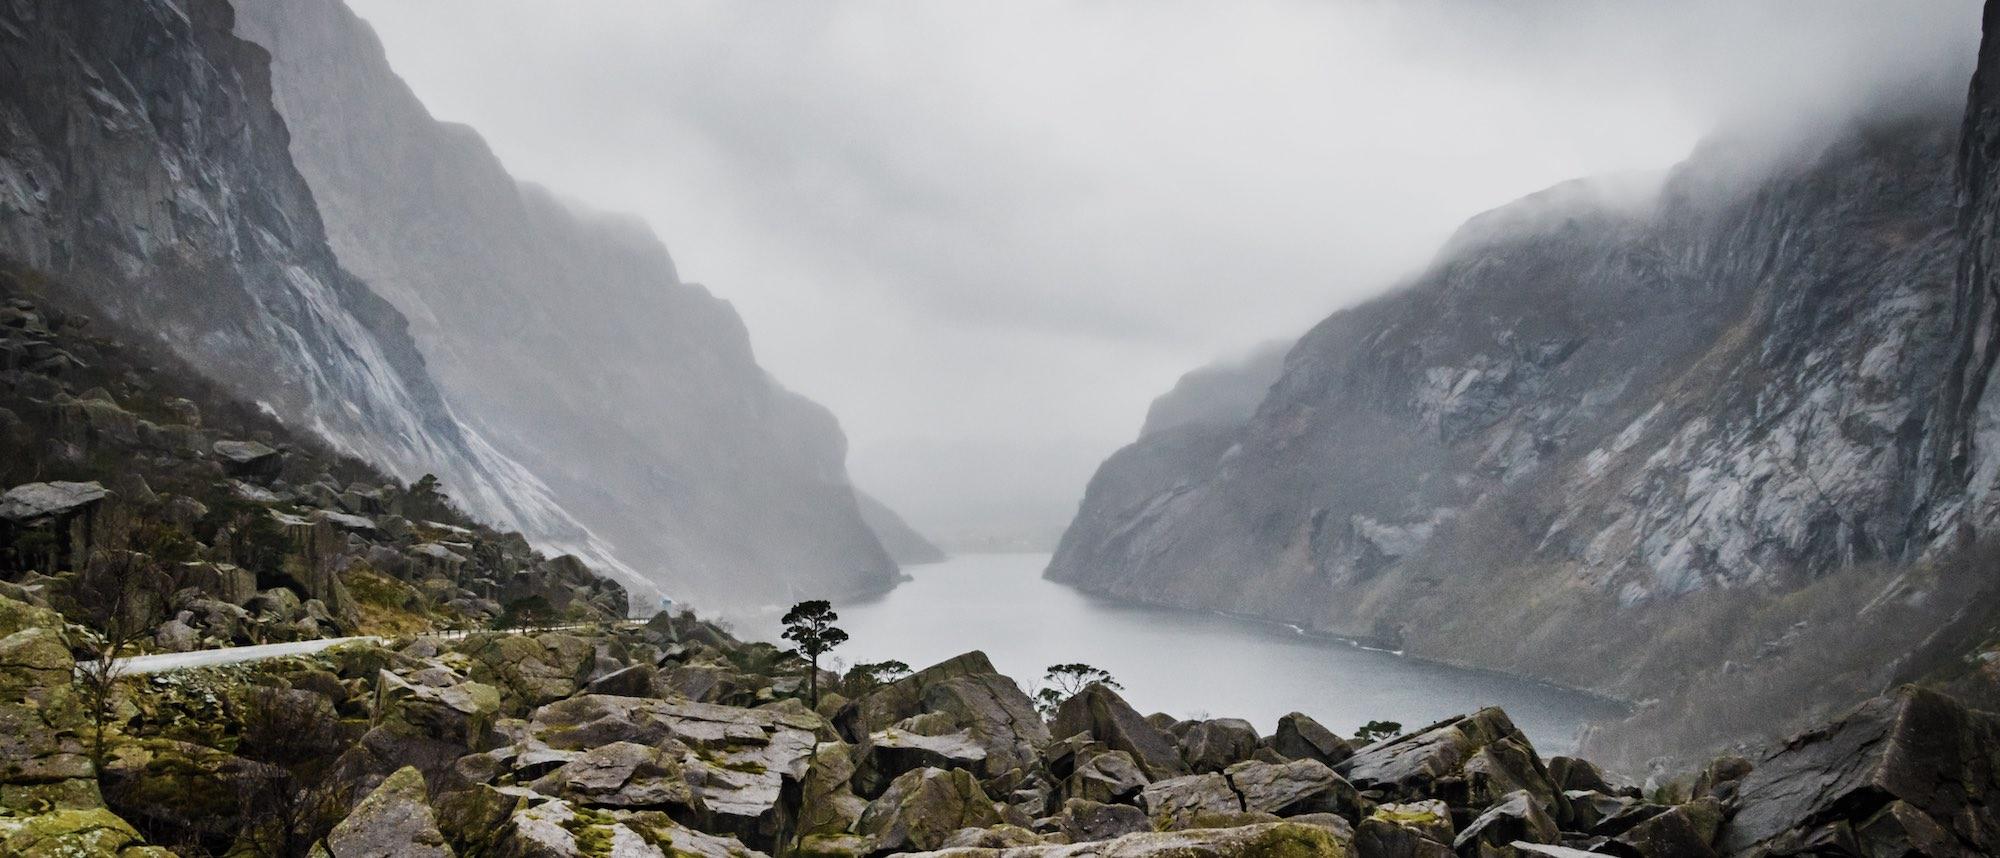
[1184,663]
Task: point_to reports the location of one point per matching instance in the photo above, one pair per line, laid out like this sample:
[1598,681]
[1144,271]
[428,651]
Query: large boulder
[923,808]
[189,790]
[394,821]
[905,697]
[1083,820]
[670,839]
[1503,767]
[1938,758]
[624,775]
[738,760]
[1106,717]
[1105,776]
[1404,767]
[638,680]
[1290,789]
[1217,744]
[1181,802]
[78,514]
[34,660]
[1420,829]
[41,723]
[997,714]
[531,671]
[826,804]
[1687,831]
[461,713]
[889,753]
[554,829]
[1571,773]
[1299,737]
[30,502]
[249,460]
[65,833]
[1517,818]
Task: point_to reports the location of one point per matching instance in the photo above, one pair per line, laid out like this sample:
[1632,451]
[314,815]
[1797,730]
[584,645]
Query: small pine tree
[868,676]
[1065,680]
[809,625]
[1377,730]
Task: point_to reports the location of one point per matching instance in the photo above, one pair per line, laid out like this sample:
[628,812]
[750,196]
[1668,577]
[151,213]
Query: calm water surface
[1184,663]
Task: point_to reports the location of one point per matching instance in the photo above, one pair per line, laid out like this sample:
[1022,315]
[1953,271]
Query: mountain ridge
[1581,417]
[567,335]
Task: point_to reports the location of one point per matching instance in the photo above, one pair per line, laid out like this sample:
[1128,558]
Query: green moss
[1294,841]
[592,829]
[748,767]
[1408,818]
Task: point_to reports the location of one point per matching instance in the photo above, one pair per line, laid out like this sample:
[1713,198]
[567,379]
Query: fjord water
[1184,663]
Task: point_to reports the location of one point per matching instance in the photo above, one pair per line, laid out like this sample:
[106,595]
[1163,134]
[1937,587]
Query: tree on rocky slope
[118,598]
[810,625]
[1063,681]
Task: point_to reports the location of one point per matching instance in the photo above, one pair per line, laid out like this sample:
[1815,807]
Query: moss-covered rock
[395,819]
[530,671]
[189,789]
[461,713]
[923,808]
[827,805]
[69,834]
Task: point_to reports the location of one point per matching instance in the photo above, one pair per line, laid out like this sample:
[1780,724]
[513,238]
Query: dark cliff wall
[568,337]
[1965,453]
[143,165]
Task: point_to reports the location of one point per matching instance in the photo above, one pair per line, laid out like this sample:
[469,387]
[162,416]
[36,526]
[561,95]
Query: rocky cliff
[1602,439]
[567,337]
[143,165]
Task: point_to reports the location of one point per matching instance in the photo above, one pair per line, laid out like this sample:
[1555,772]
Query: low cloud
[1017,223]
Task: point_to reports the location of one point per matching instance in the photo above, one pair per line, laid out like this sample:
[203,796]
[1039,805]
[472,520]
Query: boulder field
[674,738]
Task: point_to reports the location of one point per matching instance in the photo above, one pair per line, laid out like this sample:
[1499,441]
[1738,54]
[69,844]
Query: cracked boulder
[1294,788]
[1106,717]
[1518,817]
[1299,737]
[624,775]
[394,821]
[1105,776]
[997,715]
[923,808]
[1929,752]
[1406,766]
[1181,802]
[890,753]
[1217,744]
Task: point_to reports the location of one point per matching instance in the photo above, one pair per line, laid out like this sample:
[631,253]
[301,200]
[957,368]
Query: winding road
[170,661]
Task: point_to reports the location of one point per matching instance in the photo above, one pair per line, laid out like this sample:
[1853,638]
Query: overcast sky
[1008,226]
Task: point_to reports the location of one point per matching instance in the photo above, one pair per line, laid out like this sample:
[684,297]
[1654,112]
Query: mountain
[567,337]
[1223,394]
[903,542]
[142,164]
[1624,437]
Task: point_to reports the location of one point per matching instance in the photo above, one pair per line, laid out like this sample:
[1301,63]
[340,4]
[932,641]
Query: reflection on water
[1182,662]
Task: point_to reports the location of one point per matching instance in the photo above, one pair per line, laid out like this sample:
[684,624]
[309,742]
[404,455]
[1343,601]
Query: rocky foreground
[676,739]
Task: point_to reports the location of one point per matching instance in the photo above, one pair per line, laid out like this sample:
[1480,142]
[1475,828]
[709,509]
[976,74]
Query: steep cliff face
[142,164]
[1596,403]
[1965,448]
[568,338]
